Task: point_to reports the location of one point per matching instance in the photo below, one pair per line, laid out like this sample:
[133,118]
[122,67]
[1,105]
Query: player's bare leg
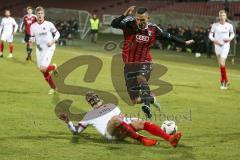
[1,48]
[29,51]
[224,79]
[157,131]
[120,129]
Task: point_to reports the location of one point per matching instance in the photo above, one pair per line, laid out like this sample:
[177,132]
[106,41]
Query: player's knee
[141,79]
[138,125]
[43,69]
[137,100]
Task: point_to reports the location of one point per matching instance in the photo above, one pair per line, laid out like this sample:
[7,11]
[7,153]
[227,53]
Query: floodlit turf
[208,117]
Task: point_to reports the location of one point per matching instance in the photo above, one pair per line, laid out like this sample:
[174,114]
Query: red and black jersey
[137,42]
[27,22]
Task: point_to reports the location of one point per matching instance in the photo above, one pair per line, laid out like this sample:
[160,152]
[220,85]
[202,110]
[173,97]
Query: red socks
[129,131]
[48,78]
[1,47]
[10,48]
[50,68]
[155,130]
[223,74]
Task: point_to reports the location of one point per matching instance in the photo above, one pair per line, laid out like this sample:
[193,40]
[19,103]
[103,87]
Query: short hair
[142,10]
[29,7]
[222,11]
[39,8]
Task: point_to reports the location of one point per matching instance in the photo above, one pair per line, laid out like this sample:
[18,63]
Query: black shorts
[27,38]
[131,71]
[94,31]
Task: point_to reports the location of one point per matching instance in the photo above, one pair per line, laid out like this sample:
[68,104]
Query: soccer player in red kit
[28,20]
[139,36]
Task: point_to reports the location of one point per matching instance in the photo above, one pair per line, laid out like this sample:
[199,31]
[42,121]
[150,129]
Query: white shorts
[7,37]
[222,51]
[44,56]
[125,119]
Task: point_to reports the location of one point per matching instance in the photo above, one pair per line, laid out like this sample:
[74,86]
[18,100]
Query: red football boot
[175,138]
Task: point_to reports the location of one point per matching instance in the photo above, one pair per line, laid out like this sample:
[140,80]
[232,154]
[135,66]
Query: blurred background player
[221,35]
[139,36]
[28,20]
[45,34]
[8,29]
[94,24]
[109,122]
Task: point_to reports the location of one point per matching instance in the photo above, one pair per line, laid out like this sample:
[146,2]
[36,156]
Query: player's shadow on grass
[55,98]
[17,92]
[95,138]
[16,61]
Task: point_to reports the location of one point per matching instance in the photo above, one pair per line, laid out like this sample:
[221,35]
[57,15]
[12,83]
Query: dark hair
[142,10]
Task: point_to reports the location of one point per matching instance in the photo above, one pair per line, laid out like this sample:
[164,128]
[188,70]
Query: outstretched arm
[74,129]
[165,35]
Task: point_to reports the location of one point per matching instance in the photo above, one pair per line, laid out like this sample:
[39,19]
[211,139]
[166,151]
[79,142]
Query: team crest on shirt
[150,33]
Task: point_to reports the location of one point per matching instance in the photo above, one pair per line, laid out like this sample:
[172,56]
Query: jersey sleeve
[163,35]
[15,25]
[52,27]
[211,33]
[213,28]
[231,32]
[54,31]
[1,26]
[32,36]
[122,22]
[22,25]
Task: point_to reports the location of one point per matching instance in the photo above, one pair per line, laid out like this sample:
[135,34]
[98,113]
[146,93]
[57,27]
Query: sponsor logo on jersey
[142,38]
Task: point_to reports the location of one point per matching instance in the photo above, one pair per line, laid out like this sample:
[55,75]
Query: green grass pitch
[30,130]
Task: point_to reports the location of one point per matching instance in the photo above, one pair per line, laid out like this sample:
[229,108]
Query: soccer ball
[169,127]
[198,55]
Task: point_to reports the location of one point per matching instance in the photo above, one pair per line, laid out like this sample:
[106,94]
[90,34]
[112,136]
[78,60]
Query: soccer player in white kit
[221,35]
[108,120]
[8,29]
[45,34]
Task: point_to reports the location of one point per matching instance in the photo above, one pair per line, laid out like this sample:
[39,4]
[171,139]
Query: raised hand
[129,11]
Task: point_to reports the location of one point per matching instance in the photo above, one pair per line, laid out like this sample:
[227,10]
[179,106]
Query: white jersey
[8,26]
[221,32]
[42,33]
[99,118]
